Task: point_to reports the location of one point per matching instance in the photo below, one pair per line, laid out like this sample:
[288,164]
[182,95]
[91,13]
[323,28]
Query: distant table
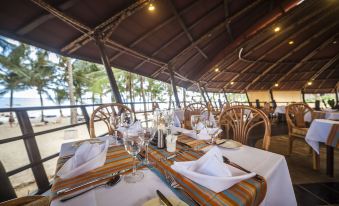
[325,115]
[280,112]
[324,131]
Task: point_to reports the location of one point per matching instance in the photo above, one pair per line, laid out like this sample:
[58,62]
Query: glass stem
[146,153]
[134,165]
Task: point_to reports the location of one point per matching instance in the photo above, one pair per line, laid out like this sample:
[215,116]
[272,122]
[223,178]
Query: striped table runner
[247,192]
[117,159]
[333,137]
[194,143]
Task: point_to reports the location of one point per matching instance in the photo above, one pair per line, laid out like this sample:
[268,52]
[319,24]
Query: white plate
[156,202]
[230,144]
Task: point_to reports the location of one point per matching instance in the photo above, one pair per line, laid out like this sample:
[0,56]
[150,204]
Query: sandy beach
[14,155]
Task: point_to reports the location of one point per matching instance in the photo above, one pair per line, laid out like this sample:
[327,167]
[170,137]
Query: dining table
[324,131]
[271,166]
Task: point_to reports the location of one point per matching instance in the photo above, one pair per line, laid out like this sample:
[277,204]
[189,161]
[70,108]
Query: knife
[164,199]
[64,190]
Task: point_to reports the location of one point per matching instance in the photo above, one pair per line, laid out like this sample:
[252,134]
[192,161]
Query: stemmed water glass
[148,134]
[133,143]
[197,124]
[209,127]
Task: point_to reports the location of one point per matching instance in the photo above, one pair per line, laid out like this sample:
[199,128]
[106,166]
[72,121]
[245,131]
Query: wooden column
[248,99]
[208,97]
[105,61]
[225,95]
[184,96]
[174,87]
[303,95]
[202,93]
[271,95]
[336,95]
[32,150]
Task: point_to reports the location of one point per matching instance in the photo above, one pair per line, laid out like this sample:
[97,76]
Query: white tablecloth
[328,115]
[270,165]
[318,132]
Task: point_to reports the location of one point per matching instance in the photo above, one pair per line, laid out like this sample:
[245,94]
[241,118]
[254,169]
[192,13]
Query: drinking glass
[133,144]
[197,124]
[148,134]
[209,127]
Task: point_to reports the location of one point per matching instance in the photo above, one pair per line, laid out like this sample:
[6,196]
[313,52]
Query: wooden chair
[242,119]
[193,109]
[105,113]
[28,201]
[297,127]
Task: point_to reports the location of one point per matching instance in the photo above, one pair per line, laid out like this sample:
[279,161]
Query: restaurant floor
[311,187]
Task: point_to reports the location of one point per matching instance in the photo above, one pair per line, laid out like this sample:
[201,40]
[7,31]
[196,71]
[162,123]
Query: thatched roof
[193,36]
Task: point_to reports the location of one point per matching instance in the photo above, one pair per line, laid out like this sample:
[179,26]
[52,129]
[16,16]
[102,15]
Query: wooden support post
[248,99]
[303,95]
[208,97]
[105,61]
[32,151]
[225,95]
[174,87]
[184,96]
[271,95]
[202,93]
[336,95]
[86,116]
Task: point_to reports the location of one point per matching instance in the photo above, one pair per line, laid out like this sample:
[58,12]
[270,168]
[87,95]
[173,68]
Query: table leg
[315,160]
[329,160]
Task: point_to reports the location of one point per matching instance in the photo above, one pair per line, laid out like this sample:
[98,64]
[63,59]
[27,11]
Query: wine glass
[209,127]
[133,144]
[148,134]
[197,124]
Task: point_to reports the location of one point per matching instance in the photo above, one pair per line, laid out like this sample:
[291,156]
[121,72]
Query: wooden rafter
[105,27]
[85,29]
[153,30]
[282,42]
[254,47]
[245,36]
[44,18]
[306,58]
[185,29]
[227,14]
[215,29]
[300,46]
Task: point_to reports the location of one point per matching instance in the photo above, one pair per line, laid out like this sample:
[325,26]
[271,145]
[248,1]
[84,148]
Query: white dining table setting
[271,166]
[319,132]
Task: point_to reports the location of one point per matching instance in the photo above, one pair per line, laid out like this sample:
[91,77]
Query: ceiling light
[151,7]
[309,83]
[232,83]
[276,84]
[334,42]
[291,42]
[277,29]
[216,70]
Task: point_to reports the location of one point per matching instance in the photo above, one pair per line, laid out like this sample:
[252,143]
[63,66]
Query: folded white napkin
[210,171]
[202,135]
[87,157]
[210,118]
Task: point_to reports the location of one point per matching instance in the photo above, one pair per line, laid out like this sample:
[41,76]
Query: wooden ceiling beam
[155,29]
[240,40]
[254,47]
[306,58]
[215,29]
[270,50]
[44,18]
[185,29]
[105,27]
[87,30]
[299,47]
[227,14]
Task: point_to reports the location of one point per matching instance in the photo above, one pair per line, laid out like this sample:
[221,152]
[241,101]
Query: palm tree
[12,73]
[60,95]
[41,74]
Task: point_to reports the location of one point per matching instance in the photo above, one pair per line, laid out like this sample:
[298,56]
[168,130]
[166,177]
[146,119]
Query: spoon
[110,183]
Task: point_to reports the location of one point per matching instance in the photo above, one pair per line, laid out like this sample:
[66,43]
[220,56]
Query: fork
[173,183]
